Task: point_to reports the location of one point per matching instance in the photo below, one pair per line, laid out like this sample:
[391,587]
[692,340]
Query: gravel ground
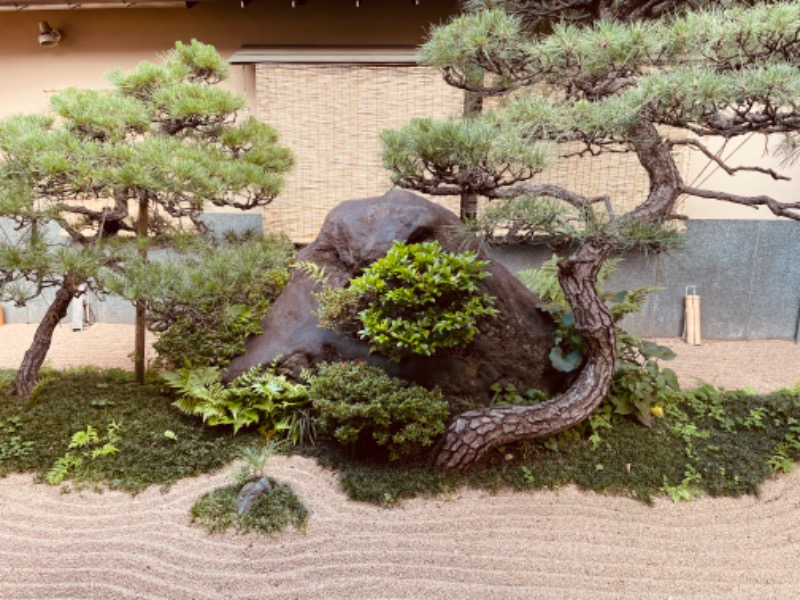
[762,365]
[467,545]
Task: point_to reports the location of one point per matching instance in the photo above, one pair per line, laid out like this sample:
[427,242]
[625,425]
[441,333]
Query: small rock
[251,493]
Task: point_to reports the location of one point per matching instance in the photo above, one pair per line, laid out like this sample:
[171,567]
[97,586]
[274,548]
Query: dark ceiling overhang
[18,5]
[353,55]
[11,5]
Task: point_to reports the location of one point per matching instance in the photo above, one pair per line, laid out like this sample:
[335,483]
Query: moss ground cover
[157,444]
[708,442]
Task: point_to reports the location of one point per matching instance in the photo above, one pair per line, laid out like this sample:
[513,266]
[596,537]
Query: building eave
[365,55]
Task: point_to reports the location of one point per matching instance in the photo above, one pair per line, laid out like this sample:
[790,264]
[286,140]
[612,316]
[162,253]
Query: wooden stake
[698,338]
[688,319]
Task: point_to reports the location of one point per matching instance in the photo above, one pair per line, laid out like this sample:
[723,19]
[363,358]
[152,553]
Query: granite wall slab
[746,272]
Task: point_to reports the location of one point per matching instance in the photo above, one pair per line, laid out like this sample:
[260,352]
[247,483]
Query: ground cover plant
[215,511]
[269,512]
[708,442]
[155,443]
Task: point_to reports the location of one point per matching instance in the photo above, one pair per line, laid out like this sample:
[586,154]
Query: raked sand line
[562,544]
[470,544]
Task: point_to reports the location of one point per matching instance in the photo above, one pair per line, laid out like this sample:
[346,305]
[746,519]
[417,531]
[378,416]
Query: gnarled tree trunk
[474,433]
[37,352]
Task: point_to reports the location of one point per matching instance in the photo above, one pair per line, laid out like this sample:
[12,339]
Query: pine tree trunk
[37,352]
[474,433]
[141,311]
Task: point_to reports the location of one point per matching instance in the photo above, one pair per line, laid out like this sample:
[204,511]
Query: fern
[84,444]
[256,397]
[81,439]
[62,467]
[314,272]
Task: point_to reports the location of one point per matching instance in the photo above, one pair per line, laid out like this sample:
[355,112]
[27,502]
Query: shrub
[363,407]
[257,397]
[416,300]
[205,302]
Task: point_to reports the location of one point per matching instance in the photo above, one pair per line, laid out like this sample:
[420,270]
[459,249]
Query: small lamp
[48,37]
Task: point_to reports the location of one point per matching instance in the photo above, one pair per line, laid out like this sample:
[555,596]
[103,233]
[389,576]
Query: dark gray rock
[251,493]
[512,348]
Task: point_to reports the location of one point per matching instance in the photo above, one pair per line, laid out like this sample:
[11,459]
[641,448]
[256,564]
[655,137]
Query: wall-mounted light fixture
[48,37]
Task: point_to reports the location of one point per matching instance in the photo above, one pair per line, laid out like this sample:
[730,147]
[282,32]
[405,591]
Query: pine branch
[552,191]
[722,164]
[790,210]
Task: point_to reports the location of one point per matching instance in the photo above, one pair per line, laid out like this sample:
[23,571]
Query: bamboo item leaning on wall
[692,317]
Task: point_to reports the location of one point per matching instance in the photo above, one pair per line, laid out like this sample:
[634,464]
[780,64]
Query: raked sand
[563,544]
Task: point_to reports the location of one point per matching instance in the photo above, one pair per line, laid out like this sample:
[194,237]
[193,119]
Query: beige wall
[331,116]
[95,41]
[752,151]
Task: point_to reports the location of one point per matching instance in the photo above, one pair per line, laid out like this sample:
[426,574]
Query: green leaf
[565,363]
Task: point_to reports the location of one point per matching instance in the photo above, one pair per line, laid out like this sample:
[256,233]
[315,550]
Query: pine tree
[142,158]
[622,76]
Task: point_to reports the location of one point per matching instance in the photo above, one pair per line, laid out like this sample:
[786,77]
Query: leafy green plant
[258,397]
[780,461]
[363,407]
[254,461]
[85,444]
[687,489]
[12,445]
[416,300]
[641,387]
[338,306]
[507,393]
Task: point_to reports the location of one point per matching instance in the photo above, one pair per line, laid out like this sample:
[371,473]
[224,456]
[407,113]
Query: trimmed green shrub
[205,302]
[416,300]
[363,408]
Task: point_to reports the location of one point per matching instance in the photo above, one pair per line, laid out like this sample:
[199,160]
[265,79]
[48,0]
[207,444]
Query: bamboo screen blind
[331,116]
[619,176]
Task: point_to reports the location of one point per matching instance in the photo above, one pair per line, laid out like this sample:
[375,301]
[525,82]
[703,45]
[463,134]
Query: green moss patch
[273,512]
[157,444]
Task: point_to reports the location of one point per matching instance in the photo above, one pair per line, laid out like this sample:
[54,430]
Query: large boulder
[511,348]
